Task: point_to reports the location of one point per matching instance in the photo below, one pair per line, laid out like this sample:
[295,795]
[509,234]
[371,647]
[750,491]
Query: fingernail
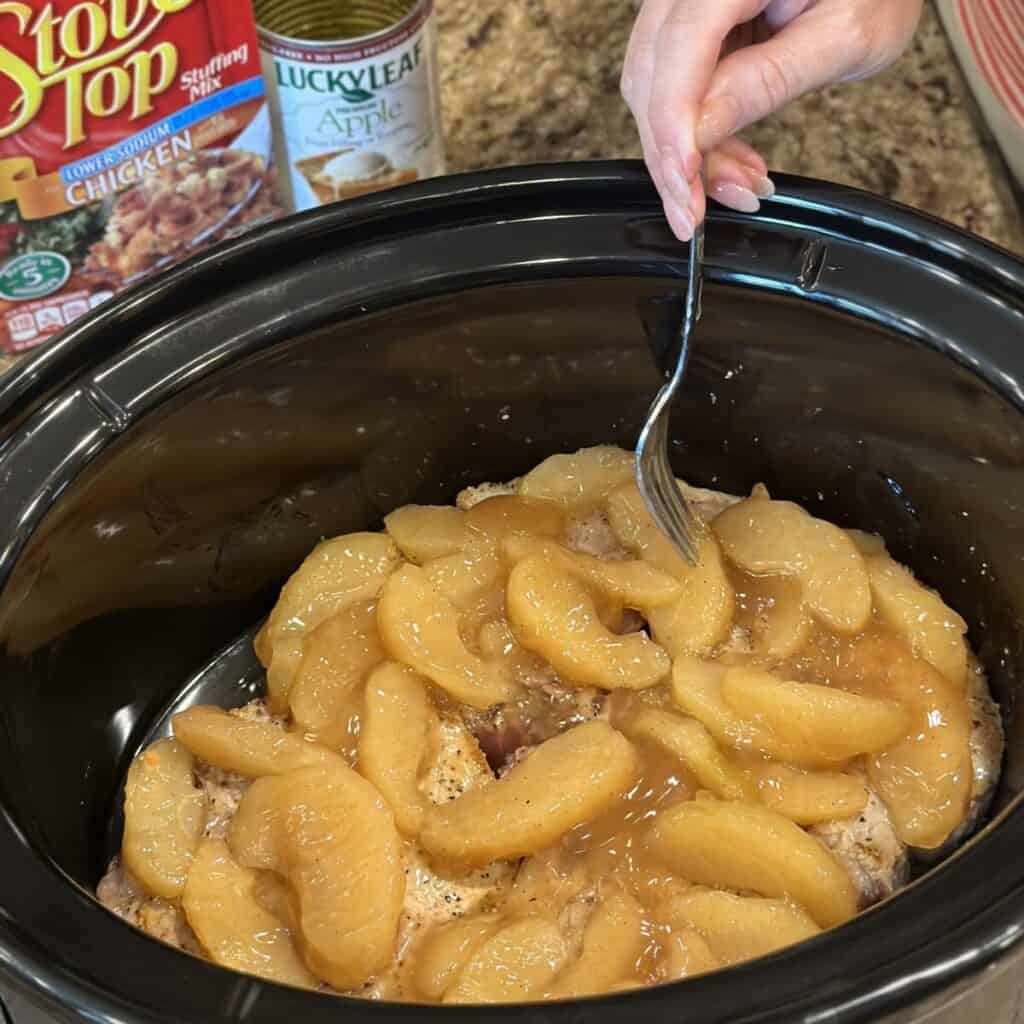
[735,196]
[763,187]
[719,118]
[674,180]
[626,87]
[681,221]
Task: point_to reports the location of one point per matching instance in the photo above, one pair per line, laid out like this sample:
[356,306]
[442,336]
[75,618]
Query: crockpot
[166,462]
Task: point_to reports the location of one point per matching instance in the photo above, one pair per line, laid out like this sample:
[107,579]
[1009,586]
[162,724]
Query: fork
[654,474]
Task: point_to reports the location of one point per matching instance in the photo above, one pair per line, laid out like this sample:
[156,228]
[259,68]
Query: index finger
[689,44]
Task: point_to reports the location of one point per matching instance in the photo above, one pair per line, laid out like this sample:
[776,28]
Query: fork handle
[662,315]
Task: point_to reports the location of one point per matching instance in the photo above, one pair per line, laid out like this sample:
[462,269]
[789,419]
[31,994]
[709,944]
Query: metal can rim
[418,8]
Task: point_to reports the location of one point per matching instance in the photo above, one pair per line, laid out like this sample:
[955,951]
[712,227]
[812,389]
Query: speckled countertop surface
[531,80]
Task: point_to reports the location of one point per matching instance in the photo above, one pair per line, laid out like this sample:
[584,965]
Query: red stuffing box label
[132,134]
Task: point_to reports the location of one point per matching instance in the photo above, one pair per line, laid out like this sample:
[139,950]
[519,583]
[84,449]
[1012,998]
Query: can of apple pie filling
[353,90]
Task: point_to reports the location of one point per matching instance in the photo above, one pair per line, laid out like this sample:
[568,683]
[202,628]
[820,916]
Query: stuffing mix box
[132,134]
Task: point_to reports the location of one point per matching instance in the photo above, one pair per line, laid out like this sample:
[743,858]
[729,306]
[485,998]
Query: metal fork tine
[665,495]
[681,527]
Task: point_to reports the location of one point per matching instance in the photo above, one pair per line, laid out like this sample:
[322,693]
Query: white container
[352,116]
[988,37]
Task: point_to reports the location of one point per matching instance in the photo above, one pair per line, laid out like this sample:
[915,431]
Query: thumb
[811,51]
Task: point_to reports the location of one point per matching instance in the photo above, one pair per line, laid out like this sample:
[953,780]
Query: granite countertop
[535,80]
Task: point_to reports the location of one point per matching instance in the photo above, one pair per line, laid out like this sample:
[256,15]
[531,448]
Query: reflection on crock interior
[515,749]
[226,495]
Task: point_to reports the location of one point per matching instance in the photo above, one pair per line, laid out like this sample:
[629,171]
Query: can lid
[291,23]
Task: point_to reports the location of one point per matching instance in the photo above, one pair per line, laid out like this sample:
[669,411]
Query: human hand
[697,71]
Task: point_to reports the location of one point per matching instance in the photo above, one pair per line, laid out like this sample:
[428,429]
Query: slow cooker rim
[987,936]
[799,201]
